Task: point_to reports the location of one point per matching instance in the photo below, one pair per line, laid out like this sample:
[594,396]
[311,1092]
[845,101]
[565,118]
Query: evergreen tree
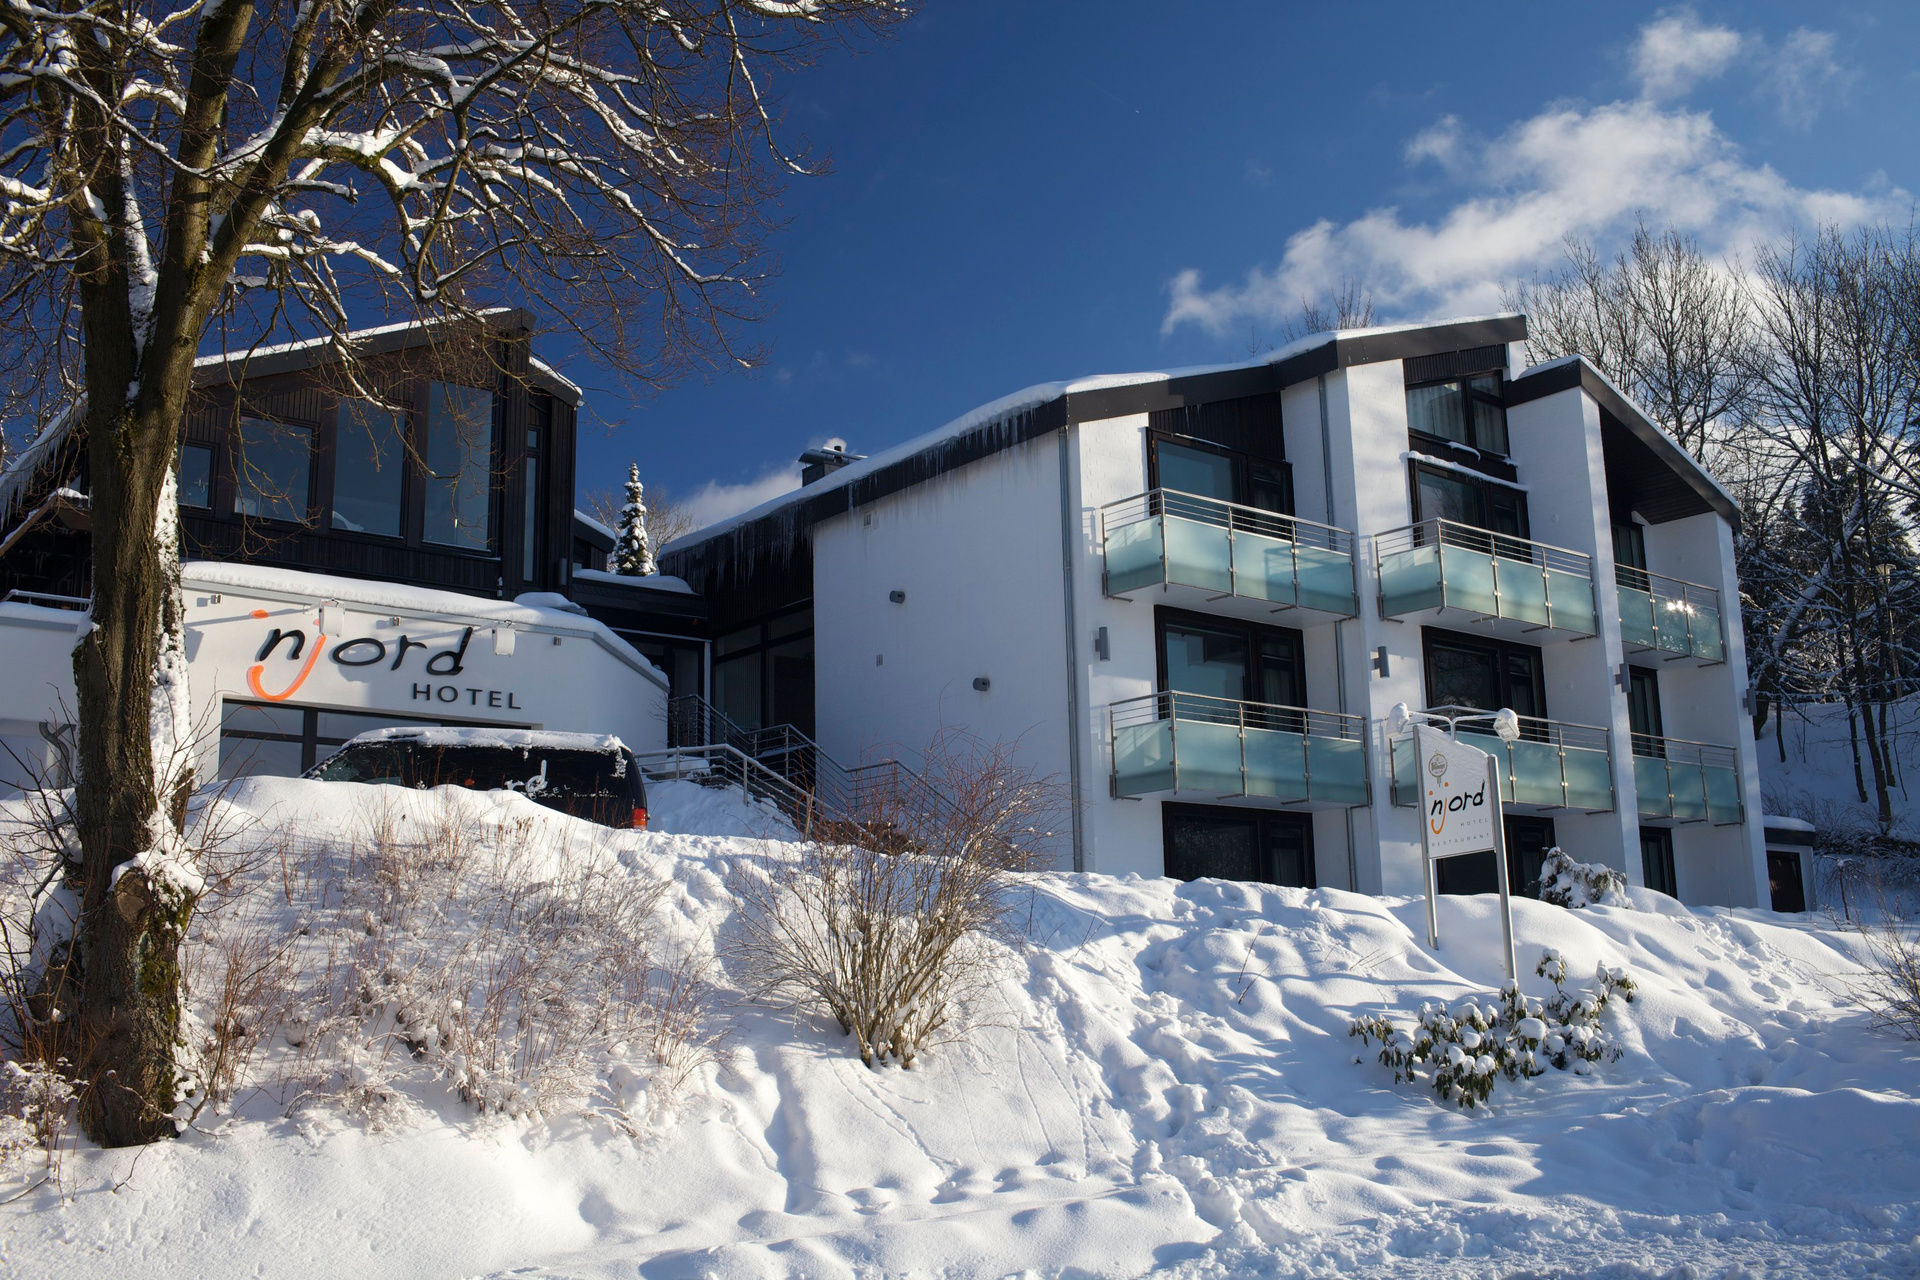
[632,553]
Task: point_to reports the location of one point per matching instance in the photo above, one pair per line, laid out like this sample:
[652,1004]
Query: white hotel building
[1194,597]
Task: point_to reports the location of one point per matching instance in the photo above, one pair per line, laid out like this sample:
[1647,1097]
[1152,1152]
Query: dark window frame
[1244,464]
[1254,632]
[1469,396]
[1486,488]
[1659,870]
[1503,651]
[236,459]
[308,739]
[1261,820]
[1472,873]
[1645,721]
[771,632]
[402,410]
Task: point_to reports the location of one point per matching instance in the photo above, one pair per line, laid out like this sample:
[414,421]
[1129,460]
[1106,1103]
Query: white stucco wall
[36,697]
[977,553]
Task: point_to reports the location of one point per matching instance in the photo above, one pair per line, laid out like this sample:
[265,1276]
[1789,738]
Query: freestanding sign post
[1460,813]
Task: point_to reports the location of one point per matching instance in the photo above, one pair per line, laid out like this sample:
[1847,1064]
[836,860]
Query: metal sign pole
[1432,883]
[1500,868]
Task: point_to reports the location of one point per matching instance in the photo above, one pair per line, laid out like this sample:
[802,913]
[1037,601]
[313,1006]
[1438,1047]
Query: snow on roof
[1034,396]
[486,736]
[19,471]
[650,582]
[593,524]
[245,354]
[1786,824]
[569,389]
[393,597]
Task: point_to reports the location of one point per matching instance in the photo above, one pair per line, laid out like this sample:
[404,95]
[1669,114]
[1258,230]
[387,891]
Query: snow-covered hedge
[1566,883]
[1513,1035]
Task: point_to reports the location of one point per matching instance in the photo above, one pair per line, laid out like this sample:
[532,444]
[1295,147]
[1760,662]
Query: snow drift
[1160,1082]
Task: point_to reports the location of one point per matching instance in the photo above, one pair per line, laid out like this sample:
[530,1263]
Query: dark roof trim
[227,367]
[778,528]
[1337,351]
[1575,371]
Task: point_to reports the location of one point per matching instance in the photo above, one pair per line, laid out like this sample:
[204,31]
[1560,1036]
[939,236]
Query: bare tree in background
[1670,326]
[168,167]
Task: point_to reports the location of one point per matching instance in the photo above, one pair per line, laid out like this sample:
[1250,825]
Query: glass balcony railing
[1222,747]
[1441,564]
[1687,781]
[1164,538]
[1670,616]
[1554,765]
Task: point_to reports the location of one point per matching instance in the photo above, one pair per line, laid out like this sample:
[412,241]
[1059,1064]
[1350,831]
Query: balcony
[1682,781]
[1226,557]
[1517,586]
[1678,620]
[1554,765]
[1222,748]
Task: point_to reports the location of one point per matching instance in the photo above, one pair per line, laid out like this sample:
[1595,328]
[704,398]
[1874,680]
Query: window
[275,740]
[368,471]
[272,470]
[1528,840]
[1643,712]
[763,674]
[539,415]
[195,477]
[1630,555]
[1465,411]
[1225,475]
[1441,494]
[1221,658]
[1486,674]
[1230,844]
[1656,861]
[459,466]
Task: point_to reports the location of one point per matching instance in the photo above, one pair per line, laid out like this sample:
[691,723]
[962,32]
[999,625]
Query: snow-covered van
[588,775]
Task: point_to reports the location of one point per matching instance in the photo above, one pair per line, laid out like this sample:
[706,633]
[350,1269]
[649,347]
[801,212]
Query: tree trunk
[133,917]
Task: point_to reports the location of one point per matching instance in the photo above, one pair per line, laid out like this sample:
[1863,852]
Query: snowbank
[1163,1083]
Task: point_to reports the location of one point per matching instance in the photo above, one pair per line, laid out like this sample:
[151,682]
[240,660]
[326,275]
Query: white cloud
[714,501]
[1677,51]
[1801,73]
[1591,172]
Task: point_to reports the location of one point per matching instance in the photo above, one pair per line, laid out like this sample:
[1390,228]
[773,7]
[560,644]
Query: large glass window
[1464,411]
[273,469]
[1242,661]
[368,475]
[763,674]
[1225,475]
[1656,861]
[195,477]
[1462,672]
[1197,471]
[1643,712]
[1272,848]
[1440,494]
[459,466]
[1528,840]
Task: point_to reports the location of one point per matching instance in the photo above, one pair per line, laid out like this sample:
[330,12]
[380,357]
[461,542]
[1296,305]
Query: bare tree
[166,167]
[1670,326]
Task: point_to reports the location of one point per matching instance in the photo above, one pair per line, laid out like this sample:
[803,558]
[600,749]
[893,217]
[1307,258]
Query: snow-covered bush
[1890,989]
[1511,1035]
[892,939]
[1566,883]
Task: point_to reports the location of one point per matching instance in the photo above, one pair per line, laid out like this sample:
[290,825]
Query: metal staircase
[782,765]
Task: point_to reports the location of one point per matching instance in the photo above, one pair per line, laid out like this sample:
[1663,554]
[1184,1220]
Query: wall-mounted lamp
[1623,678]
[1101,649]
[981,684]
[333,619]
[1381,667]
[897,596]
[503,642]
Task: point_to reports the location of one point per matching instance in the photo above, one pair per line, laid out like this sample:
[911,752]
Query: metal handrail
[1713,755]
[1693,595]
[1507,546]
[1227,515]
[1562,735]
[47,599]
[1169,704]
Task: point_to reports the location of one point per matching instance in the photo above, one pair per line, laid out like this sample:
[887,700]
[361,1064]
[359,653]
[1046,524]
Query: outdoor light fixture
[1101,649]
[503,642]
[981,684]
[1623,678]
[333,619]
[1379,662]
[897,596]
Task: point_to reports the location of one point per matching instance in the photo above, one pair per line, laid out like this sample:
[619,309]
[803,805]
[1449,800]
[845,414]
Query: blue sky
[1024,192]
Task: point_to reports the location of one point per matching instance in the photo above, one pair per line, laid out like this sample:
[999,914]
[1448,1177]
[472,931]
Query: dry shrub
[1890,991]
[884,924]
[529,979]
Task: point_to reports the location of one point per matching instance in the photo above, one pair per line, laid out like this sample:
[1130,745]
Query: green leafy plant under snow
[1480,1040]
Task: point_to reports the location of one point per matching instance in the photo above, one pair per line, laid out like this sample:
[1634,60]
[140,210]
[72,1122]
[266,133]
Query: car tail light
[639,819]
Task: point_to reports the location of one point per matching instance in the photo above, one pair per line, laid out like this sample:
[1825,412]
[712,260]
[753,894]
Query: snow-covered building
[1193,598]
[398,550]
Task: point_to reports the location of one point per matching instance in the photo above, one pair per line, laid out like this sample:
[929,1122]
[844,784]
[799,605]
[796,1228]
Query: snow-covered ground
[1162,1082]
